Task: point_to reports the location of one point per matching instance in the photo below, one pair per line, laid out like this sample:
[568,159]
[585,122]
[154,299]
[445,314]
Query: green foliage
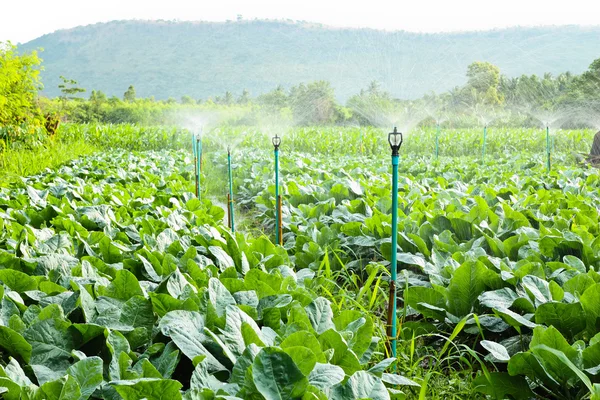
[72,141]
[119,283]
[313,104]
[69,88]
[129,95]
[587,86]
[497,276]
[483,82]
[19,84]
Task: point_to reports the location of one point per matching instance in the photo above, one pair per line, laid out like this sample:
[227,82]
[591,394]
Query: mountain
[201,59]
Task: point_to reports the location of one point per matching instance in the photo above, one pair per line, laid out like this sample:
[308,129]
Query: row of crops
[451,143]
[117,283]
[498,262]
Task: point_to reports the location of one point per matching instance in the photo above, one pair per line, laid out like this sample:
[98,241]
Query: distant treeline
[488,97]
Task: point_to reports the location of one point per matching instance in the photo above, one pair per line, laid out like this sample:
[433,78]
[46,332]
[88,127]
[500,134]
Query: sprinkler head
[228,150]
[276,141]
[395,140]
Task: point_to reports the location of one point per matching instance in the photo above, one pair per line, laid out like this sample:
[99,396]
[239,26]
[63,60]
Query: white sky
[21,21]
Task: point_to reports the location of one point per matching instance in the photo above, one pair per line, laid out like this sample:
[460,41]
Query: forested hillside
[171,59]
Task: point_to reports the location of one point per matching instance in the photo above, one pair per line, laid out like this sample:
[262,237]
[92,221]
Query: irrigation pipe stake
[198,164]
[279,222]
[548,147]
[395,141]
[195,152]
[230,195]
[276,140]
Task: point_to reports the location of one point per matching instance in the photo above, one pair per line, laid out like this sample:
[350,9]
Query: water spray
[278,228]
[230,194]
[548,147]
[395,141]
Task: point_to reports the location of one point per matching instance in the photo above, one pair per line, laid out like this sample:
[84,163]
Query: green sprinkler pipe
[198,164]
[230,189]
[484,140]
[395,141]
[276,142]
[195,152]
[437,142]
[548,147]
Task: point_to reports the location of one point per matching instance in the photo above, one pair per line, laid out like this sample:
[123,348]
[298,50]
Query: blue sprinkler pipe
[395,141]
[198,164]
[437,141]
[548,147]
[230,190]
[276,143]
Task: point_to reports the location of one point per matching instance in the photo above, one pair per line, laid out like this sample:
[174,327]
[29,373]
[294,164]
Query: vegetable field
[118,283]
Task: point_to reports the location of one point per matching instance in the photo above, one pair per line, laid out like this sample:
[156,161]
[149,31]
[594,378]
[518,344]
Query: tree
[129,95]
[228,98]
[274,100]
[587,85]
[244,98]
[483,83]
[69,89]
[187,100]
[19,84]
[372,106]
[98,97]
[313,104]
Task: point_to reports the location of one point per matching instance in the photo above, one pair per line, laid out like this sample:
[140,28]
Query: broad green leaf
[500,384]
[306,339]
[361,327]
[325,376]
[123,287]
[320,315]
[590,301]
[361,385]
[561,365]
[219,296]
[276,376]
[498,351]
[52,341]
[148,388]
[88,373]
[17,281]
[15,344]
[186,328]
[467,283]
[221,258]
[303,357]
[398,380]
[568,318]
[422,298]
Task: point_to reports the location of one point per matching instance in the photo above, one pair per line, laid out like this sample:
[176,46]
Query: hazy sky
[21,21]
